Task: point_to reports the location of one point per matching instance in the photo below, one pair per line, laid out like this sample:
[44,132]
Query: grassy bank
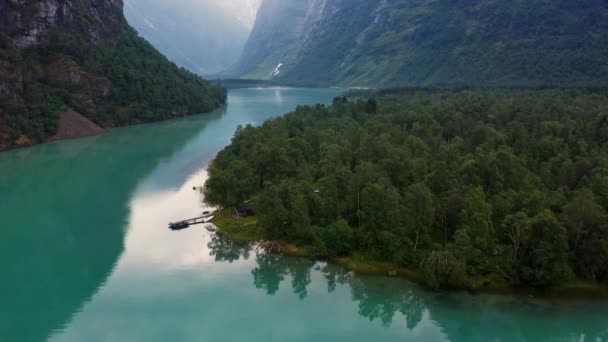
[244,230]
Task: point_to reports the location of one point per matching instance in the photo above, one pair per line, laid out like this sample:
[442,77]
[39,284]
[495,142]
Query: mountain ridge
[430,42]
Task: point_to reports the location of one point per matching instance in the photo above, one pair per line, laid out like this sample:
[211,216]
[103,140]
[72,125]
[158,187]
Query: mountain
[57,55]
[205,36]
[429,42]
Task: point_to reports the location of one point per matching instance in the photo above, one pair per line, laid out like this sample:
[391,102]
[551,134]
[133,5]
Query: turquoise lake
[86,255]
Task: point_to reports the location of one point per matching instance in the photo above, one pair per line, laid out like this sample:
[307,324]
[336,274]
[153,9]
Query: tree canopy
[460,183]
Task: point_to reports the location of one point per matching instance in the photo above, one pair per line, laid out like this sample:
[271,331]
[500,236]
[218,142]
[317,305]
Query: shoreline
[105,130]
[246,230]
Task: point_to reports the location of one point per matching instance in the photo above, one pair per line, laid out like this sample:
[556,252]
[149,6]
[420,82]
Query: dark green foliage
[140,74]
[546,259]
[338,238]
[442,268]
[461,183]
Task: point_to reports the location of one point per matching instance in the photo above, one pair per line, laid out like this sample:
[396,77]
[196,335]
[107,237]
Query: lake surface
[86,255]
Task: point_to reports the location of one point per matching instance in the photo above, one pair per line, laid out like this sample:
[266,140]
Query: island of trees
[459,185]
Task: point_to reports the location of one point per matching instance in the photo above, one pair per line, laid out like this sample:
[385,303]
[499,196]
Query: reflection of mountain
[62,229]
[456,316]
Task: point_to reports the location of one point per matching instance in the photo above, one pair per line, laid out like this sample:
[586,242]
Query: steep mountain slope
[422,42]
[277,27]
[204,36]
[61,54]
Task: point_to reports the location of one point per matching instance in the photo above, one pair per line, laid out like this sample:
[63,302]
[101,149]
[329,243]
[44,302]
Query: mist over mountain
[429,42]
[204,36]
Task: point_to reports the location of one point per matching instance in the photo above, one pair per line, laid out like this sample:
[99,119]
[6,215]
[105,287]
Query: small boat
[209,218]
[178,225]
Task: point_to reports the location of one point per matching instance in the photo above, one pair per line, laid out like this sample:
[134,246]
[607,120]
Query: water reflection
[166,280]
[460,316]
[271,270]
[224,249]
[64,211]
[379,301]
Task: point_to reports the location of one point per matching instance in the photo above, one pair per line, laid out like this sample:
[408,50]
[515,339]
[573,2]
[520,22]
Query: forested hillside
[509,185]
[60,54]
[415,42]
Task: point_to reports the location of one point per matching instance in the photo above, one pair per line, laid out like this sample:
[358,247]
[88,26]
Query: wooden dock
[190,222]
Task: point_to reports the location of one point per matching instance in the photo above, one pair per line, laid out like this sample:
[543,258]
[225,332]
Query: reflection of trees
[381,299]
[376,299]
[460,316]
[270,271]
[227,250]
[335,275]
[299,270]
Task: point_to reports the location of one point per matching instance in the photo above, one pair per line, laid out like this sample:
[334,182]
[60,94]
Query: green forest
[507,184]
[119,81]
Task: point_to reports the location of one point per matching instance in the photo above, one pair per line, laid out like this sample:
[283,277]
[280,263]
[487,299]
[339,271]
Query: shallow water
[86,255]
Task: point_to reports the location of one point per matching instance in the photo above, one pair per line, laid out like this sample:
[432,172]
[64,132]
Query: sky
[243,10]
[204,36]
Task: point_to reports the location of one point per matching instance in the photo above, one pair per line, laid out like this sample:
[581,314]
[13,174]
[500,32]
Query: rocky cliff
[30,23]
[57,55]
[425,42]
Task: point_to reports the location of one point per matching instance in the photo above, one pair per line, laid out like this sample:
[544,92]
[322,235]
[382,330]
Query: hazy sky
[204,36]
[243,10]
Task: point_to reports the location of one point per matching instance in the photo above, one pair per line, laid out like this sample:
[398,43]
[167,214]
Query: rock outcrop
[73,125]
[30,23]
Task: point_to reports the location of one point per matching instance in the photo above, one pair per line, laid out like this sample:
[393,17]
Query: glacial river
[86,255]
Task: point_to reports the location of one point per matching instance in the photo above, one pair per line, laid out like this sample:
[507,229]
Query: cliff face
[422,42]
[29,23]
[57,55]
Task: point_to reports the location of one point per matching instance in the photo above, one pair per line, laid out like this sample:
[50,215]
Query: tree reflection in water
[299,270]
[271,270]
[461,316]
[224,249]
[377,298]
